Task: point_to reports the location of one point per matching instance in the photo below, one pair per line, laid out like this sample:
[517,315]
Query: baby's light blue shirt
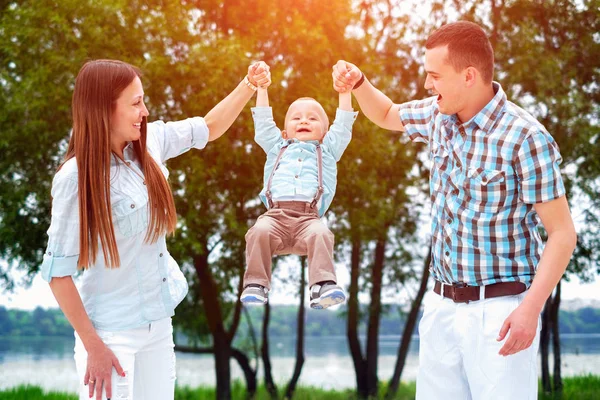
[297,174]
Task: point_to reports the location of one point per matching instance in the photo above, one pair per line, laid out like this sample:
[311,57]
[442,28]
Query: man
[495,174]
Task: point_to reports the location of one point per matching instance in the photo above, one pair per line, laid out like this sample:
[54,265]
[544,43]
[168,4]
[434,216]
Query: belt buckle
[458,295]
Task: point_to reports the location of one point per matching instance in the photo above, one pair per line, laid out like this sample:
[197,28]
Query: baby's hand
[345,76]
[259,74]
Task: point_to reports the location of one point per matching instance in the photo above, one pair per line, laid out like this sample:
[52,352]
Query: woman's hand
[100,363]
[259,74]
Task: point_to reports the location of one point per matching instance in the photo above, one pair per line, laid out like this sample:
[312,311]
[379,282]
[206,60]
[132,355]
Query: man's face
[304,121]
[444,81]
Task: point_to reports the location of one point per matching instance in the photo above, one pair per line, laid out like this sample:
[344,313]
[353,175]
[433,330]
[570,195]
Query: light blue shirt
[148,284]
[297,174]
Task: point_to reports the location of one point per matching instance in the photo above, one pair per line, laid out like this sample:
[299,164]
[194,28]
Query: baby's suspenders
[319,193]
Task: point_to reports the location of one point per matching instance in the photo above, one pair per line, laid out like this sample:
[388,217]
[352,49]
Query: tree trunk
[239,356]
[544,342]
[222,355]
[291,387]
[557,378]
[249,372]
[266,357]
[252,335]
[374,317]
[409,328]
[214,317]
[360,365]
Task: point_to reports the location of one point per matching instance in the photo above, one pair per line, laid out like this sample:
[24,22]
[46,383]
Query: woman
[111,195]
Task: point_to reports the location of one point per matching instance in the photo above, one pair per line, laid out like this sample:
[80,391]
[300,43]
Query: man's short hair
[468,46]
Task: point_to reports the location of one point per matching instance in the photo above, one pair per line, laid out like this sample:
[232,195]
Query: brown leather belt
[461,293]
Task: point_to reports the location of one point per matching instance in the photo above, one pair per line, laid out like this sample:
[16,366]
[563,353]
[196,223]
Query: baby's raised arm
[345,97]
[346,101]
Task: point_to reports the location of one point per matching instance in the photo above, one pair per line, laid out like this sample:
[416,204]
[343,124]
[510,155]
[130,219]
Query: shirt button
[49,253]
[160,255]
[164,279]
[299,160]
[296,176]
[484,179]
[132,206]
[447,253]
[128,162]
[449,220]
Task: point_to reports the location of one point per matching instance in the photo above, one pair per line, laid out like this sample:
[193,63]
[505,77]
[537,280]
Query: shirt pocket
[130,215]
[485,190]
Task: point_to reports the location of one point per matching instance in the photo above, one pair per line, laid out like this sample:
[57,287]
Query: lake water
[48,362]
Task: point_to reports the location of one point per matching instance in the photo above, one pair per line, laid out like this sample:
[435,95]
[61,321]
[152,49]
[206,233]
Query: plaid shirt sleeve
[537,168]
[418,117]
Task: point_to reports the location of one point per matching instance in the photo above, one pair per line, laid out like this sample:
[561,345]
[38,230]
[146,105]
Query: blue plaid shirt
[486,175]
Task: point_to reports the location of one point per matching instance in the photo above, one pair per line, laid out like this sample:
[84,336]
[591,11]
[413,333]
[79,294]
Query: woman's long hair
[97,88]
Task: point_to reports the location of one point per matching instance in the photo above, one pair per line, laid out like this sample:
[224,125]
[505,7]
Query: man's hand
[259,74]
[345,76]
[522,324]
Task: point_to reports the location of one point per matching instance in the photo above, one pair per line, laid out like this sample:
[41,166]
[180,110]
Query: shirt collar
[488,115]
[294,140]
[128,155]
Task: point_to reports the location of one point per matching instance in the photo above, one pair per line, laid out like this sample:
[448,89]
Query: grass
[575,388]
[586,387]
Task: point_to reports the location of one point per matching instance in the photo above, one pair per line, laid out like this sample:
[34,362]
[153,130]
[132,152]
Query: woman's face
[127,118]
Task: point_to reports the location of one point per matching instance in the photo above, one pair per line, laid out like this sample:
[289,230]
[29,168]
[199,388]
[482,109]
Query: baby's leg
[262,241]
[315,240]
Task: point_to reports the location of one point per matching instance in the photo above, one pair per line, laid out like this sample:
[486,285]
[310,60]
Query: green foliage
[39,322]
[34,393]
[584,320]
[575,388]
[51,322]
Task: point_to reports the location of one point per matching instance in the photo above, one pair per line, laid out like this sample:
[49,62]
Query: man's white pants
[147,357]
[458,352]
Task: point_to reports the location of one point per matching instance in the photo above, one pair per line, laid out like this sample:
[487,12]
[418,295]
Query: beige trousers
[290,227]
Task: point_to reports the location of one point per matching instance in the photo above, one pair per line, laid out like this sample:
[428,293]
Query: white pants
[147,357]
[458,352]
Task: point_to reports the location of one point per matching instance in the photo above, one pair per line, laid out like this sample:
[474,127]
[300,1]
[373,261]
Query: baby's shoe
[326,294]
[254,294]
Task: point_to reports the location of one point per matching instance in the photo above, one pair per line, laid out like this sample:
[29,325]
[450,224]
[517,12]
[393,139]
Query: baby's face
[304,121]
